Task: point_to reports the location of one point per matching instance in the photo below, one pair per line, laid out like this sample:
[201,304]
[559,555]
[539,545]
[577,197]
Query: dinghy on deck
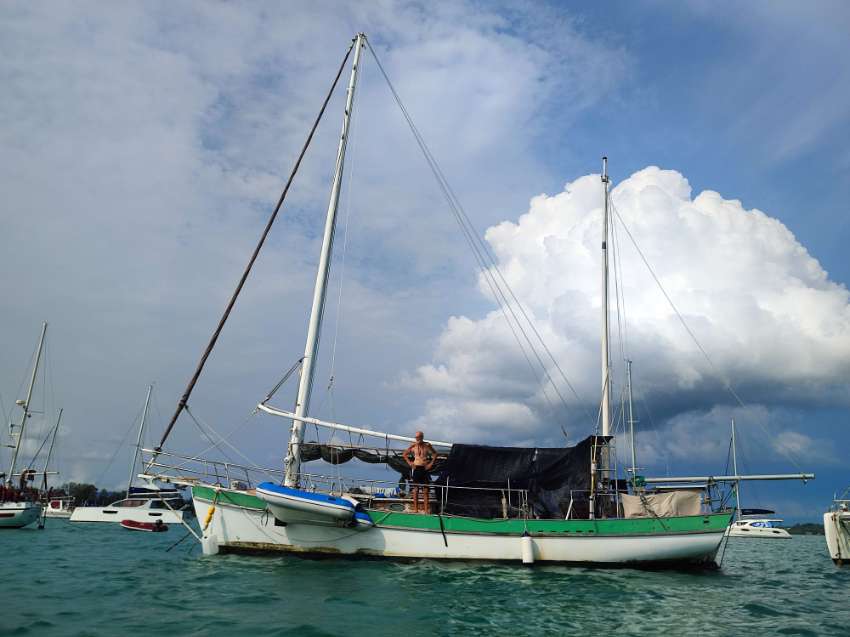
[297,506]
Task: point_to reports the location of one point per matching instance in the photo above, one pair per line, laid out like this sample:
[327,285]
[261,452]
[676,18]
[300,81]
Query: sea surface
[100,579]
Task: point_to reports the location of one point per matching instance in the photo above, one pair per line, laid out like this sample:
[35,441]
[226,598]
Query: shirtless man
[417,457]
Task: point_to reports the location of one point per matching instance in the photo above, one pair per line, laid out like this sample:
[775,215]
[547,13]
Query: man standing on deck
[421,456]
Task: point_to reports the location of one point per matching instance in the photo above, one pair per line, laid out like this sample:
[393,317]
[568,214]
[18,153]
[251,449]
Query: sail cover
[662,505]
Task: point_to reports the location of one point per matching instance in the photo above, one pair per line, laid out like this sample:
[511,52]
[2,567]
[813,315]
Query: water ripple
[102,580]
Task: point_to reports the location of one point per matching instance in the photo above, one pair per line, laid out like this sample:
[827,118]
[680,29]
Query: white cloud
[772,322]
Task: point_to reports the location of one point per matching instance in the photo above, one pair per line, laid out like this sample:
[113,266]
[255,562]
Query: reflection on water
[103,580]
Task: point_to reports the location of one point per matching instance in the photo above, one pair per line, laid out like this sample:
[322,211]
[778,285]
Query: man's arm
[433,457]
[407,455]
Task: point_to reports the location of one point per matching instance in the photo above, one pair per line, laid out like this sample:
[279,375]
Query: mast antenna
[606,359]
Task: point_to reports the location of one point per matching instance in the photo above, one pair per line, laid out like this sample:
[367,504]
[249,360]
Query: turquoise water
[103,580]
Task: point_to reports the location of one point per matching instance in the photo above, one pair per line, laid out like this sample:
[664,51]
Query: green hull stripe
[712,523]
[235,498]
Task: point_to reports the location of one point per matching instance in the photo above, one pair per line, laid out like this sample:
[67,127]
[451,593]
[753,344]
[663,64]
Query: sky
[145,144]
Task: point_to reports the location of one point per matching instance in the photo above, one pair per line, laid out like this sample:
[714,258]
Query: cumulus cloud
[772,323]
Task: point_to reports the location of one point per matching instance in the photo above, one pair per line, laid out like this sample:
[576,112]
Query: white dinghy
[297,506]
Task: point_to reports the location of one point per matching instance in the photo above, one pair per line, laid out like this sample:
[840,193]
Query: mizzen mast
[606,358]
[305,386]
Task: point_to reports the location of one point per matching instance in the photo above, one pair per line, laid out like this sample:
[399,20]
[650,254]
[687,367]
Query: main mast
[25,404]
[305,386]
[606,359]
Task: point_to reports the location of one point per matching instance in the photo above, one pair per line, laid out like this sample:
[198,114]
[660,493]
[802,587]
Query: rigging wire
[185,397]
[280,383]
[486,262]
[119,446]
[222,439]
[352,165]
[720,375]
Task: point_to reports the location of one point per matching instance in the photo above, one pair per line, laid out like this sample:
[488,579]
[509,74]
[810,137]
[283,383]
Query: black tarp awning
[551,475]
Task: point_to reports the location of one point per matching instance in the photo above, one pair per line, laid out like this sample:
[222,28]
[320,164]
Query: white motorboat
[142,505]
[836,529]
[758,527]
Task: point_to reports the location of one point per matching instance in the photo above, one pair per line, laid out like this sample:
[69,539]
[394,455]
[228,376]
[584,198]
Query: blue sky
[144,145]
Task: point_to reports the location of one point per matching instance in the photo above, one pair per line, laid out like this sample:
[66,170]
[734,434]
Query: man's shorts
[420,476]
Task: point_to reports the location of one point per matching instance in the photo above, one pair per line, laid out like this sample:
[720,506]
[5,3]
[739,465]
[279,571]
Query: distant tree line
[85,494]
[806,529]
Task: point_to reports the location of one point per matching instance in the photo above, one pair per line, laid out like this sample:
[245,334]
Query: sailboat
[141,504]
[549,505]
[20,505]
[752,523]
[836,528]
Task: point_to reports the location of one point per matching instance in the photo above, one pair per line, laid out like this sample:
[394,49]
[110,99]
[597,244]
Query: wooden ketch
[334,516]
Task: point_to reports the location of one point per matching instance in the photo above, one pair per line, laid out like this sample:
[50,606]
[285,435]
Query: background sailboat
[141,504]
[19,503]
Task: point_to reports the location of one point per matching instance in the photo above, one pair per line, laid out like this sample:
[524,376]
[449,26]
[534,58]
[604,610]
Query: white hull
[757,533]
[117,514]
[836,527]
[57,513]
[292,509]
[16,515]
[234,528]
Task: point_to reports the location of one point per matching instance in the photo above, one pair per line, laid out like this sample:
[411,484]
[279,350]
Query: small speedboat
[150,527]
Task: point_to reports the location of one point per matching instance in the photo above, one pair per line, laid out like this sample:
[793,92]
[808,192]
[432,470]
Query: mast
[139,439]
[606,360]
[25,404]
[735,471]
[631,422]
[50,448]
[292,463]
